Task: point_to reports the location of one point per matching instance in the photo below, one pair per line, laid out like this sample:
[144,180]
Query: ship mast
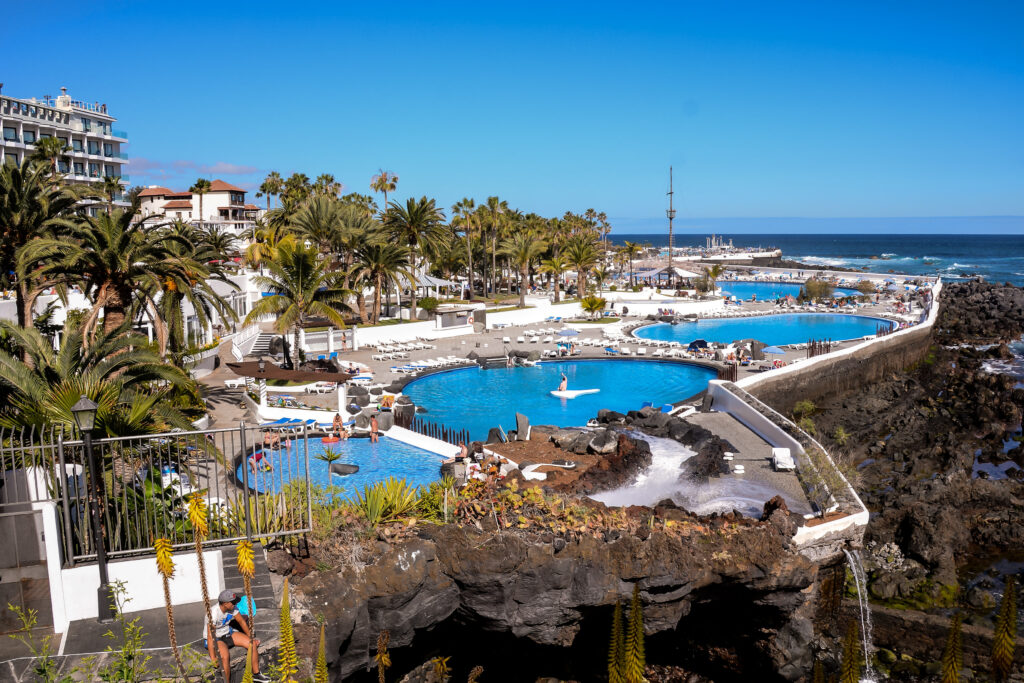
[671,213]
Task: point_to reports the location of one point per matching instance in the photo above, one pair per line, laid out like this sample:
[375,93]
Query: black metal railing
[438,431]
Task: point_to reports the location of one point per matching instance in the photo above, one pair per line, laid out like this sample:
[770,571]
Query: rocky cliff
[547,593]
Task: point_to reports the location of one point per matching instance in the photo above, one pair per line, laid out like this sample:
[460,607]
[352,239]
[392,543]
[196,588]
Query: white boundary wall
[427,443]
[880,342]
[724,401]
[142,582]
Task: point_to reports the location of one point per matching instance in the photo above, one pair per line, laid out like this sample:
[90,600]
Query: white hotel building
[95,147]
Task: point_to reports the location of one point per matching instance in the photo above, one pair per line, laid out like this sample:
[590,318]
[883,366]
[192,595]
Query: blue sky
[764,109]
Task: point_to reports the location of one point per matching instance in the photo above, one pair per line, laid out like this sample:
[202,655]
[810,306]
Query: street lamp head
[84,412]
[262,365]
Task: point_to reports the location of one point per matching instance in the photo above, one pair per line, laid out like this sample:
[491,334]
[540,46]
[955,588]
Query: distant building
[224,206]
[95,147]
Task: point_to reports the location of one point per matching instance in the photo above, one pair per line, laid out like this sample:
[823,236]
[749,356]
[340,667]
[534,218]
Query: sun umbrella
[568,333]
[888,279]
[773,350]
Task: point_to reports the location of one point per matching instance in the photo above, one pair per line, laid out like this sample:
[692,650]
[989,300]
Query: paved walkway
[754,453]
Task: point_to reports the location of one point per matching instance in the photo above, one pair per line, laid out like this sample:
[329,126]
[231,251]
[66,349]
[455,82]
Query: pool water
[790,328]
[477,399]
[377,461]
[770,291]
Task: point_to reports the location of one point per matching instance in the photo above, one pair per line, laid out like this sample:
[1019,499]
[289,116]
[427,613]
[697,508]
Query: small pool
[770,291]
[477,399]
[377,461]
[789,328]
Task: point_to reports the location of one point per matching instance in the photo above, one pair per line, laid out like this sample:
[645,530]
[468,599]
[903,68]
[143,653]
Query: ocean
[997,258]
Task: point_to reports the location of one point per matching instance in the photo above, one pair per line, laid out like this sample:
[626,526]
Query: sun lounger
[234,383]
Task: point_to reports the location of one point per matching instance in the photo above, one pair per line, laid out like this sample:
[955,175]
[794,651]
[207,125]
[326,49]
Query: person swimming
[564,383]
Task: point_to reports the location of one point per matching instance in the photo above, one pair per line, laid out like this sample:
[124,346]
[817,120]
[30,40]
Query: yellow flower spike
[246,563]
[197,516]
[164,558]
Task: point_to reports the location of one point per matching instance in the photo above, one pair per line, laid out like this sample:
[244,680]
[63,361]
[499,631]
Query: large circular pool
[770,291]
[476,399]
[789,328]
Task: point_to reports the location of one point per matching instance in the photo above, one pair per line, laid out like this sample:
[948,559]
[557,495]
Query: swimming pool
[770,291]
[789,328]
[377,461]
[477,399]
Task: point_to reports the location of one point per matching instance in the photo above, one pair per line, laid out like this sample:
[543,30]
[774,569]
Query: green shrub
[807,424]
[840,435]
[803,408]
[428,304]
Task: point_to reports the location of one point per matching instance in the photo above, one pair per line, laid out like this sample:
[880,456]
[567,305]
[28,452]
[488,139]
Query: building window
[30,137]
[108,149]
[62,166]
[178,214]
[63,139]
[76,145]
[79,168]
[10,134]
[86,124]
[11,159]
[108,170]
[94,170]
[94,147]
[43,136]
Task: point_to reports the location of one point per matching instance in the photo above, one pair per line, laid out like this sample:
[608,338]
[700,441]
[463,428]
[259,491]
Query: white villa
[224,206]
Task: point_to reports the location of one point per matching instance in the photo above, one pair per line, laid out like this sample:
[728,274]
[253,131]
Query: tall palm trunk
[376,298]
[494,260]
[115,308]
[524,273]
[558,288]
[581,284]
[632,281]
[361,303]
[469,258]
[412,287]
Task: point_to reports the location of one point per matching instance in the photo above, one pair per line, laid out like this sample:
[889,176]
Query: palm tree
[300,286]
[200,187]
[712,273]
[384,181]
[50,150]
[464,216]
[631,250]
[320,221]
[522,249]
[420,226]
[111,187]
[117,371]
[30,207]
[554,267]
[271,186]
[116,260]
[601,274]
[329,456]
[494,210]
[326,186]
[201,262]
[581,254]
[381,263]
[264,239]
[593,304]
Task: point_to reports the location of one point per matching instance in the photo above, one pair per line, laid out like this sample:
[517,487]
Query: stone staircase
[262,345]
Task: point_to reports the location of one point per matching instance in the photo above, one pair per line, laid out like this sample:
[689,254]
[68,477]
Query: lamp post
[84,413]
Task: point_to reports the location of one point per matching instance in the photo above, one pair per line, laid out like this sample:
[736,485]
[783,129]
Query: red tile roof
[221,186]
[155,192]
[179,204]
[252,207]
